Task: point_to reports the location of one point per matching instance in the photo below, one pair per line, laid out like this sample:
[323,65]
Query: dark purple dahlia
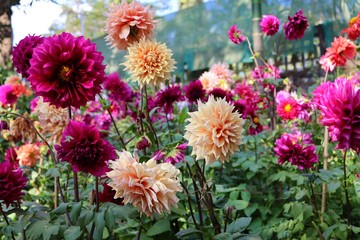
[12,181]
[23,52]
[195,91]
[296,149]
[66,70]
[11,156]
[221,93]
[84,148]
[119,90]
[167,97]
[296,26]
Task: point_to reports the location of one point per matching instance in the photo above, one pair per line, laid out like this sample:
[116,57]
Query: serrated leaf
[72,233]
[186,232]
[61,209]
[239,225]
[85,217]
[238,204]
[53,172]
[300,194]
[75,211]
[36,229]
[159,227]
[332,186]
[223,236]
[50,230]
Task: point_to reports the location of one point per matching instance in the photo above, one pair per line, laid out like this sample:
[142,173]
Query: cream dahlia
[52,120]
[149,186]
[149,62]
[215,130]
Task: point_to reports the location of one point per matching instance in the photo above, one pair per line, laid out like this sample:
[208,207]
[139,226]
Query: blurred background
[195,30]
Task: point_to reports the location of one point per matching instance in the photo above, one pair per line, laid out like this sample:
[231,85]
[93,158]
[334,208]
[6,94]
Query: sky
[38,18]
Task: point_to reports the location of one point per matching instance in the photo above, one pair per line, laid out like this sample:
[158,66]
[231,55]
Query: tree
[6,34]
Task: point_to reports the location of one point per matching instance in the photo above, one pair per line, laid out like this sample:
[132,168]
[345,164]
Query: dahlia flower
[214,131]
[263,72]
[194,91]
[269,25]
[7,95]
[166,97]
[296,149]
[235,35]
[341,50]
[288,108]
[223,72]
[173,156]
[127,23]
[149,186]
[209,80]
[340,109]
[66,70]
[23,52]
[11,156]
[220,93]
[119,90]
[326,63]
[149,62]
[143,143]
[107,195]
[18,88]
[20,129]
[12,181]
[353,29]
[256,126]
[28,155]
[83,147]
[4,125]
[296,26]
[52,120]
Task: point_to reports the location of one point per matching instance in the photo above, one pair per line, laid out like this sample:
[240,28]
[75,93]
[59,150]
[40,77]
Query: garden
[86,153]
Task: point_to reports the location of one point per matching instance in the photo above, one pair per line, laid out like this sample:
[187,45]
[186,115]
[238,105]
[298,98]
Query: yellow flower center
[256,120]
[353,21]
[64,73]
[287,108]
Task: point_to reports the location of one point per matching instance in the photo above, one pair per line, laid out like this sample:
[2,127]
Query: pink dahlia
[12,181]
[7,95]
[143,143]
[66,70]
[296,26]
[292,148]
[128,23]
[235,35]
[326,63]
[83,147]
[288,108]
[340,109]
[165,98]
[173,155]
[223,71]
[341,50]
[23,52]
[194,92]
[269,25]
[119,90]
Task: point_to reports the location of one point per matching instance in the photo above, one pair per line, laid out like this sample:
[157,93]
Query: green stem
[347,204]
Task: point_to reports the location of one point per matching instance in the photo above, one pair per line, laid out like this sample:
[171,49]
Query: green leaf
[36,229]
[329,230]
[332,186]
[72,233]
[159,227]
[223,236]
[186,232]
[239,225]
[357,188]
[99,225]
[245,195]
[61,209]
[50,230]
[238,204]
[52,172]
[85,217]
[75,211]
[109,219]
[300,194]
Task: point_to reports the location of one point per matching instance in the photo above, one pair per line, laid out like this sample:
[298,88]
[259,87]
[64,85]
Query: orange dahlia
[149,62]
[128,23]
[215,130]
[341,50]
[353,29]
[28,155]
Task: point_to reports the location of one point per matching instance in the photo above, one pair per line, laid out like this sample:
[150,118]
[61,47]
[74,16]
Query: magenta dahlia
[339,103]
[235,35]
[119,90]
[269,25]
[195,91]
[296,26]
[12,181]
[66,70]
[7,95]
[296,149]
[84,148]
[165,98]
[23,51]
[11,156]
